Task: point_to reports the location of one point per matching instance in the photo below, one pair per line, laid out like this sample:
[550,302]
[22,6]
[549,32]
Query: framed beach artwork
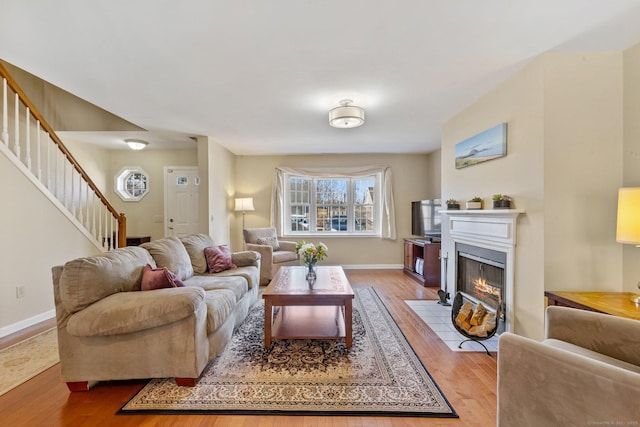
[487,145]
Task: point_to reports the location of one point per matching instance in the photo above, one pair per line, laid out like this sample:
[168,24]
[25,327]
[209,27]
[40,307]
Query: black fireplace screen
[481,274]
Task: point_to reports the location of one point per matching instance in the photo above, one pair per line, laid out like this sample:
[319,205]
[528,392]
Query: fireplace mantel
[492,225]
[486,228]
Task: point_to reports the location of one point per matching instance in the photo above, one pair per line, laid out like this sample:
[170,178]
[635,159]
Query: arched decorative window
[131,183]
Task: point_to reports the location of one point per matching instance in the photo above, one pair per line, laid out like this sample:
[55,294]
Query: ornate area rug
[26,359]
[379,375]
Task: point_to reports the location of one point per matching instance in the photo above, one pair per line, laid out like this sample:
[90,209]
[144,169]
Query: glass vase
[311,273]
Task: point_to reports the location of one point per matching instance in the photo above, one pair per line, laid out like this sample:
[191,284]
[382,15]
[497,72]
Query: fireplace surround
[490,235]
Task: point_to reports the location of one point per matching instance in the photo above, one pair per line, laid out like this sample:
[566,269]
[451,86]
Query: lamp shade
[244,204]
[628,225]
[346,116]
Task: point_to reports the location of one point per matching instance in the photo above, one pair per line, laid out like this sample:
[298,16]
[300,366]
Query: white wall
[255,175]
[35,237]
[563,163]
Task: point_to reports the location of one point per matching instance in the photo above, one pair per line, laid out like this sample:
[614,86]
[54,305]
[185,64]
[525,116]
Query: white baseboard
[18,326]
[373,267]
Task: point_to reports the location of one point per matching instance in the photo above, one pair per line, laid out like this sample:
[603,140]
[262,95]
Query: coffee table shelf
[308,322]
[294,310]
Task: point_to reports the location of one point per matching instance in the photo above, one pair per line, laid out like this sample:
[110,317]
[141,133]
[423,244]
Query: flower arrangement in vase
[310,254]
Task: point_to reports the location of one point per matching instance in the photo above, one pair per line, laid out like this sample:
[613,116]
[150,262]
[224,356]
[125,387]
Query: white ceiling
[260,76]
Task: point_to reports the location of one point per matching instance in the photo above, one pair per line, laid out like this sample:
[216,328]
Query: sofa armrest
[246,258]
[287,246]
[540,385]
[265,251]
[613,336]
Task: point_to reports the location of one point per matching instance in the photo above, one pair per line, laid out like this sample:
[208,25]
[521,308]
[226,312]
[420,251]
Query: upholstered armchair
[274,253]
[585,372]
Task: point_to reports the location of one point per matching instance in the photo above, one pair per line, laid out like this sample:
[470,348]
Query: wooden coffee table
[293,310]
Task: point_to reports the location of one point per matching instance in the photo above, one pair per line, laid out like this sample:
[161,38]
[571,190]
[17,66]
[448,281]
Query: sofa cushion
[218,258]
[158,278]
[220,303]
[209,282]
[591,354]
[127,312]
[87,280]
[171,253]
[195,244]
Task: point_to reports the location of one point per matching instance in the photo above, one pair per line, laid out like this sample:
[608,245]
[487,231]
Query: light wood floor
[467,379]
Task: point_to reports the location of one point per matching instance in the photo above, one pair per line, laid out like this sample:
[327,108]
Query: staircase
[30,143]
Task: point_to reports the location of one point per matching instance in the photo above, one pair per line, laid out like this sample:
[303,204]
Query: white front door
[181,200]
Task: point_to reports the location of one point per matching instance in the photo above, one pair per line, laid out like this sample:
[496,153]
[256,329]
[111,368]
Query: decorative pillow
[269,241]
[218,258]
[158,278]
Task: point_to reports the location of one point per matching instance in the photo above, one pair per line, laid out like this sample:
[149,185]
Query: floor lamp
[243,205]
[628,224]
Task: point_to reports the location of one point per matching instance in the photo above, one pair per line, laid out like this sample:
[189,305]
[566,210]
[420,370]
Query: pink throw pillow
[218,258]
[159,278]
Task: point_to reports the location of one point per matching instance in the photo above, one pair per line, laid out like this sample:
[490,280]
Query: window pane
[364,203]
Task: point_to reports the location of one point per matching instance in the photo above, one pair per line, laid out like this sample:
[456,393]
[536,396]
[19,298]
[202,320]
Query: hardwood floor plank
[467,379]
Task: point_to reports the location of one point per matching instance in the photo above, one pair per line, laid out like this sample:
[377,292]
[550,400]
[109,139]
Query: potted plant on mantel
[475,203]
[501,201]
[452,204]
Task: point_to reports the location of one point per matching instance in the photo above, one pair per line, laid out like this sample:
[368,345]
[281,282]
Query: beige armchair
[585,372]
[274,253]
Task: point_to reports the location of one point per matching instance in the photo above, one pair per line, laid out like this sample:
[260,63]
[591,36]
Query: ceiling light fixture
[346,116]
[136,144]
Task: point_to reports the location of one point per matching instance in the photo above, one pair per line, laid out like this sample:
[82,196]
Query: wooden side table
[137,240]
[614,303]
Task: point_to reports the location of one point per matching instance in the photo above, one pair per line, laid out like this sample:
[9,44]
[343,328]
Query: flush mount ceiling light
[136,144]
[346,116]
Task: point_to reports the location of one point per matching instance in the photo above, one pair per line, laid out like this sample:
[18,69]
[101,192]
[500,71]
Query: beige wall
[562,167]
[141,215]
[95,161]
[255,175]
[220,176]
[35,237]
[434,168]
[631,156]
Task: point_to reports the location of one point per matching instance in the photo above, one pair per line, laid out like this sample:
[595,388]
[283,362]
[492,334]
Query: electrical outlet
[20,291]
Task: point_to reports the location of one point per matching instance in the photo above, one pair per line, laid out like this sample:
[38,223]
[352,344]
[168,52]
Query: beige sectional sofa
[108,329]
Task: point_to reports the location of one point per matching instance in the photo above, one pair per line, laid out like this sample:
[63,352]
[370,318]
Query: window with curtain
[319,205]
[338,201]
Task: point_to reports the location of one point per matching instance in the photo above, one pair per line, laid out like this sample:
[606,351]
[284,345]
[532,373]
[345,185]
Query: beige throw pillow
[269,241]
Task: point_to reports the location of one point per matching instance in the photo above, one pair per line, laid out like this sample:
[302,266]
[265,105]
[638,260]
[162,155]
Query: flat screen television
[425,218]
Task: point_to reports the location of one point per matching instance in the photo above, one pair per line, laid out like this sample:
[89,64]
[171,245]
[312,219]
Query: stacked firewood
[478,322]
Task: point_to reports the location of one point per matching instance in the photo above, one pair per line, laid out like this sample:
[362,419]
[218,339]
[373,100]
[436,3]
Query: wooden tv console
[429,251]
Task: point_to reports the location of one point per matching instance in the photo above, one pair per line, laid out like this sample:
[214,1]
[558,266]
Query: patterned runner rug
[379,375]
[26,359]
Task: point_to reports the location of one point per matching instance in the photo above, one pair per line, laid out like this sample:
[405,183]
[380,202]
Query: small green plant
[452,202]
[497,197]
[476,199]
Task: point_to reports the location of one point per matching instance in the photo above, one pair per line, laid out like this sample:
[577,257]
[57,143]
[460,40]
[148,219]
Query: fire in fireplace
[481,274]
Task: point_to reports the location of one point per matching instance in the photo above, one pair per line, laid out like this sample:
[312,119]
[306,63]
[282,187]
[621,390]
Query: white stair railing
[54,170]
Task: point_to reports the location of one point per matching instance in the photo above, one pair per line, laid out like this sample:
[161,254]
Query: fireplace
[481,275]
[478,256]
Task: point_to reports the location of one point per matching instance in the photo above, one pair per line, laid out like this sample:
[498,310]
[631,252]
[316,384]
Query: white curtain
[388,208]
